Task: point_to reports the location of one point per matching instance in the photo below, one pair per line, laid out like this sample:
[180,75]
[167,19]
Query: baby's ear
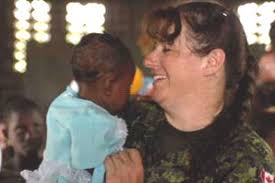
[213,62]
[108,83]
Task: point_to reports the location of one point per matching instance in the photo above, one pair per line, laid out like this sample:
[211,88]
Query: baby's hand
[124,167]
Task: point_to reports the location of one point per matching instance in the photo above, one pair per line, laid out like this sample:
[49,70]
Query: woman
[203,85]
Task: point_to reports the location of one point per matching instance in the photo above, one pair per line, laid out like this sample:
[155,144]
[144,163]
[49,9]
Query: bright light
[23,5]
[256,21]
[83,19]
[41,37]
[20,66]
[22,25]
[32,21]
[251,39]
[41,5]
[265,39]
[74,28]
[20,45]
[41,26]
[73,38]
[73,19]
[74,6]
[19,55]
[23,35]
[91,29]
[41,16]
[22,15]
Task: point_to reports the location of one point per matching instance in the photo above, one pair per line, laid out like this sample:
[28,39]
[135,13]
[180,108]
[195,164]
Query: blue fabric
[81,134]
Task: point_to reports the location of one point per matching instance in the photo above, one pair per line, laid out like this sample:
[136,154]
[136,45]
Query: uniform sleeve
[249,170]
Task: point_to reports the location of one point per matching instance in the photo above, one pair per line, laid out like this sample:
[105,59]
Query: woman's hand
[124,167]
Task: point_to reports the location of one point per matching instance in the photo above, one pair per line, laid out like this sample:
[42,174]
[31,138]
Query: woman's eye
[166,49]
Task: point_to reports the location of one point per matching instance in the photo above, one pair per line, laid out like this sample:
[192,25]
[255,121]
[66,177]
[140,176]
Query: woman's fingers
[110,166]
[124,167]
[137,165]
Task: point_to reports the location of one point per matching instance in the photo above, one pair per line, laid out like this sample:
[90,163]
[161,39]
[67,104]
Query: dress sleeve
[53,171]
[92,139]
[58,138]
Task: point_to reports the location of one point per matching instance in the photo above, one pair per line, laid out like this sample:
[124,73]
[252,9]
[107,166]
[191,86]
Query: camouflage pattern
[240,161]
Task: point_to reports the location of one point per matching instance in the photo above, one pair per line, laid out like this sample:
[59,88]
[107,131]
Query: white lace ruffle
[121,133]
[50,171]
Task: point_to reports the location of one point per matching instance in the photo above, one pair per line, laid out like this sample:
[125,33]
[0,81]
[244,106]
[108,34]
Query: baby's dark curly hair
[97,54]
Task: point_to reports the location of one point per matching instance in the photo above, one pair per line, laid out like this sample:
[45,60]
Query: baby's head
[104,69]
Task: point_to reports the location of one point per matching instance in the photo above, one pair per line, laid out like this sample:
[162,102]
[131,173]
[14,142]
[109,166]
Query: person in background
[25,129]
[3,138]
[264,113]
[264,105]
[204,81]
[267,61]
[23,135]
[82,127]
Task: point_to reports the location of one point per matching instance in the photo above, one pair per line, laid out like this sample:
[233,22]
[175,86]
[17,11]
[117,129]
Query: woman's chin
[159,97]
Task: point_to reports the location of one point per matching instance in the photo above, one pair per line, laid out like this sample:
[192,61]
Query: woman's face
[176,71]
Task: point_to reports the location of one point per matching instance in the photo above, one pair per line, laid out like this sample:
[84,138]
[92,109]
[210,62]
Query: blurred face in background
[3,138]
[26,132]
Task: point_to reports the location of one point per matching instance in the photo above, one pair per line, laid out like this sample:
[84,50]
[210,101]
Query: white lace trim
[121,133]
[50,171]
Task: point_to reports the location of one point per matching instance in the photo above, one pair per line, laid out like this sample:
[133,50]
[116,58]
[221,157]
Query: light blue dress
[80,134]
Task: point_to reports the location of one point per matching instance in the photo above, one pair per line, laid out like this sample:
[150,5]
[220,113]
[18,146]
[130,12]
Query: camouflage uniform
[241,159]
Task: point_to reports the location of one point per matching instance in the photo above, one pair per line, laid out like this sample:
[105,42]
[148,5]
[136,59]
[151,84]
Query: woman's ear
[213,62]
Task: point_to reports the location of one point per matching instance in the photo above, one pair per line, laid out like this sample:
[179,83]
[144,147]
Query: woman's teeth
[156,78]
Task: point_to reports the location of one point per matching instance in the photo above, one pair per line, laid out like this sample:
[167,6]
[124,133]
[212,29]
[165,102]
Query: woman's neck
[194,112]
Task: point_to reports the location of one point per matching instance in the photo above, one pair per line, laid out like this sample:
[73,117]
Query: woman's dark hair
[208,26]
[97,54]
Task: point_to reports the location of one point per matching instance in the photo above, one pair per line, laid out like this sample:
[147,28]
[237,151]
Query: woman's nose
[151,60]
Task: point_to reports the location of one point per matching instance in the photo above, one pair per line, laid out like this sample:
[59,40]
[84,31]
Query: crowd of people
[208,118]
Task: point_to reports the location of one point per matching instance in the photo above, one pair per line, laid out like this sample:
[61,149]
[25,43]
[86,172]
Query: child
[81,127]
[25,133]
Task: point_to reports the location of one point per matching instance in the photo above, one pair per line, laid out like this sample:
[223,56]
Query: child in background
[25,134]
[82,128]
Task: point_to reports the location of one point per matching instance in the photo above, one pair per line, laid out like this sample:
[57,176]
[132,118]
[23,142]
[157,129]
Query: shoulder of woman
[246,157]
[247,146]
[142,120]
[138,110]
